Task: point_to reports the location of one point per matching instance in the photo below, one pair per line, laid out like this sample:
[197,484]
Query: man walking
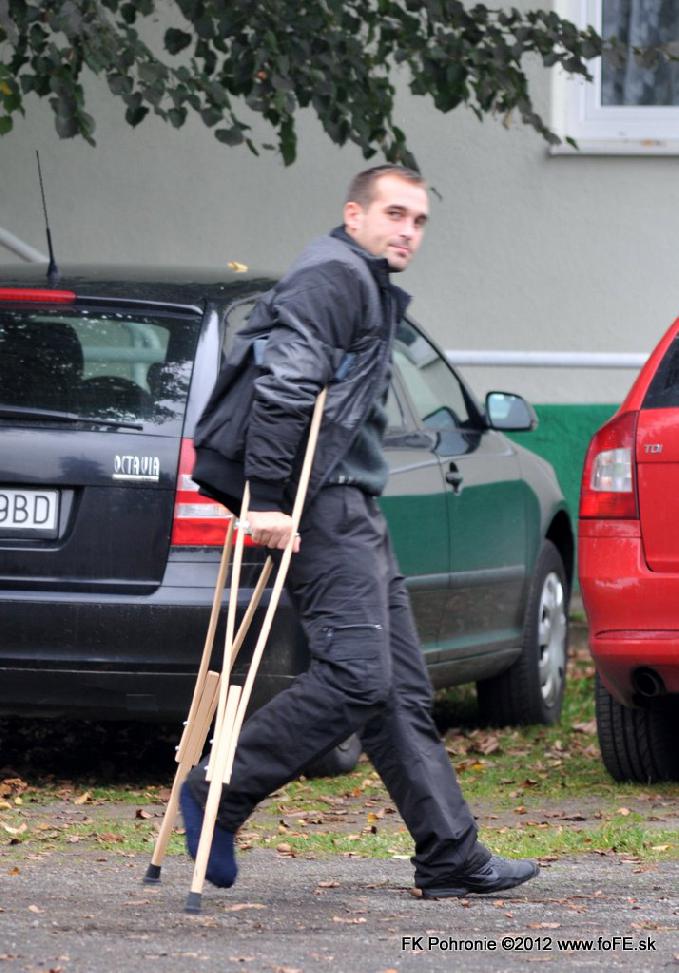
[331,321]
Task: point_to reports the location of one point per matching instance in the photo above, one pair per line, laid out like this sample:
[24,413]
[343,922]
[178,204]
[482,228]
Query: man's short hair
[362,186]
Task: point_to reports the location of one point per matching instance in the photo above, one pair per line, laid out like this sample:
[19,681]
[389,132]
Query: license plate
[28,513]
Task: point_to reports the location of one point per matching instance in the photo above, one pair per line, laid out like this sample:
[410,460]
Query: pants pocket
[356,660]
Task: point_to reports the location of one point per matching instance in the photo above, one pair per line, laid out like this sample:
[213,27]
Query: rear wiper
[24,412]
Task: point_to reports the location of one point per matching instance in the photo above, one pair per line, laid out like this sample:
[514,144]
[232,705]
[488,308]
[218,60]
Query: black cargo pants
[366,675]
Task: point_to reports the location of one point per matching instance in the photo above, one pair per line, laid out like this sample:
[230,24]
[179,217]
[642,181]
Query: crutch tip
[193,903]
[152,876]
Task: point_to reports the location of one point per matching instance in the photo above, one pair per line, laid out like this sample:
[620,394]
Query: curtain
[640,23]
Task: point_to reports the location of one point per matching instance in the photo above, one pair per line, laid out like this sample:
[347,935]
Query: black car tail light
[198,521]
[609,484]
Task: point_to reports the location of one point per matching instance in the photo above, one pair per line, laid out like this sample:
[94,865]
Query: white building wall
[524,251]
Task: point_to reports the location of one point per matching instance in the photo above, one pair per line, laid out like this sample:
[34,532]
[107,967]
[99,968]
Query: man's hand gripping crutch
[233,700]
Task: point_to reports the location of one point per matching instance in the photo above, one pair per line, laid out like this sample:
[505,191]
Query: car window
[438,397]
[663,392]
[395,417]
[97,364]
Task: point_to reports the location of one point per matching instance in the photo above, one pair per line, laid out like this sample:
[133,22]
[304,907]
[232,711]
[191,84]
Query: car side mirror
[510,413]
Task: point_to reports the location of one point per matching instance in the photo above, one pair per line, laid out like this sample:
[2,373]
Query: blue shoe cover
[221,866]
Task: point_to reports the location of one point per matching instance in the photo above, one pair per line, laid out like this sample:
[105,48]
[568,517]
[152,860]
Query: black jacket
[328,321]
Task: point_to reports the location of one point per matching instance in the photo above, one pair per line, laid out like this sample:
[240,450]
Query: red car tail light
[609,487]
[198,521]
[38,295]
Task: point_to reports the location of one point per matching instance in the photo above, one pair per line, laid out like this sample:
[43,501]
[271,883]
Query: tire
[340,760]
[637,744]
[532,689]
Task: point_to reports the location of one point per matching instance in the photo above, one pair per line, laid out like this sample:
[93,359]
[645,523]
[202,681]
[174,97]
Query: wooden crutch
[205,695]
[234,699]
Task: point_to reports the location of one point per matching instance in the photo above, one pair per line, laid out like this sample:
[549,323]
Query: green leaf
[287,141]
[136,114]
[177,116]
[66,125]
[176,40]
[6,124]
[11,102]
[230,136]
[211,116]
[120,84]
[128,12]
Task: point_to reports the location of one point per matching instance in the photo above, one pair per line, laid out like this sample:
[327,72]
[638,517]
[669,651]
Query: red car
[629,572]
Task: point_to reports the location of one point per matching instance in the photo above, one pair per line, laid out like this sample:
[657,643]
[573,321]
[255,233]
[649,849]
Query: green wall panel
[562,437]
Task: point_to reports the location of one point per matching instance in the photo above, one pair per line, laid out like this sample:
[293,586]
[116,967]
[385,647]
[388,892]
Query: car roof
[183,287]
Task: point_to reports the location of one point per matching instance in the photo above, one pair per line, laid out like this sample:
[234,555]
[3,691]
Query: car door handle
[455,478]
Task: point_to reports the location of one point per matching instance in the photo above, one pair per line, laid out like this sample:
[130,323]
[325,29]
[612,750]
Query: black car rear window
[107,364]
[663,391]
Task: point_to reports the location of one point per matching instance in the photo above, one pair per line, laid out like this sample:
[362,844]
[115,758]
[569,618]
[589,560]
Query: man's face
[392,226]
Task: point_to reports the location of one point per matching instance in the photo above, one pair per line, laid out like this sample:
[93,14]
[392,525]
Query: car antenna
[52,269]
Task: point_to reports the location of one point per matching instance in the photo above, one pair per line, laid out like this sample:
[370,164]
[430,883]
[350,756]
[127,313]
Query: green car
[109,554]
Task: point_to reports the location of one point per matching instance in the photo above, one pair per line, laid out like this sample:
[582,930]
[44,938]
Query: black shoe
[496,875]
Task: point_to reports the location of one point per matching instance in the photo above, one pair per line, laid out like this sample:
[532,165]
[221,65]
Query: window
[111,365]
[437,396]
[631,108]
[395,419]
[663,392]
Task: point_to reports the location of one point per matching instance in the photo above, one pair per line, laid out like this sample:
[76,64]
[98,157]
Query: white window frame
[613,130]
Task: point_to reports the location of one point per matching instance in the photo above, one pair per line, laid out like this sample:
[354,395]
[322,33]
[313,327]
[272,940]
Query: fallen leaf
[659,847]
[624,811]
[14,871]
[284,848]
[141,813]
[350,920]
[328,885]
[83,798]
[20,830]
[11,786]
[589,727]
[35,908]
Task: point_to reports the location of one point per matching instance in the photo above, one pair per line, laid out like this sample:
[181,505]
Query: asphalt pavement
[88,912]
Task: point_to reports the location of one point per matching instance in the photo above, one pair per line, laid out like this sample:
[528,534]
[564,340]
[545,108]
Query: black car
[108,554]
